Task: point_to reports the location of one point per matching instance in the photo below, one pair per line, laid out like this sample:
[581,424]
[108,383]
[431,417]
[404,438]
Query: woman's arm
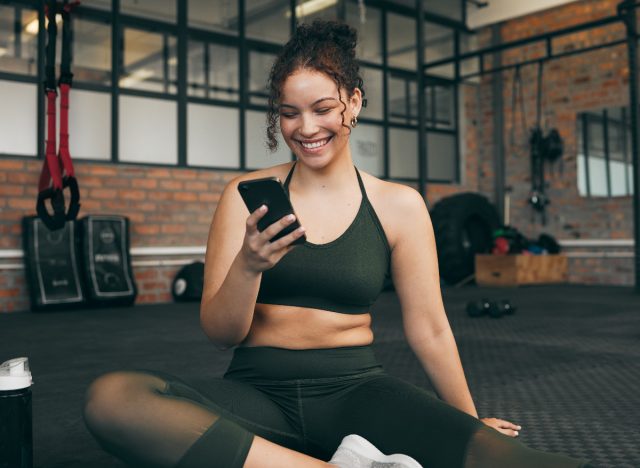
[416,278]
[414,263]
[237,254]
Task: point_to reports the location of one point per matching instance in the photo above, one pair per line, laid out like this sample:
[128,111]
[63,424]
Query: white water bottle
[16,435]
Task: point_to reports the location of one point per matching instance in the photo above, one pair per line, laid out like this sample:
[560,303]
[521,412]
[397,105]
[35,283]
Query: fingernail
[290,217]
[516,432]
[301,229]
[519,427]
[263,207]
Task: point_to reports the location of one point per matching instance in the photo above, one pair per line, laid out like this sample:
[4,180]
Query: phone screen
[270,192]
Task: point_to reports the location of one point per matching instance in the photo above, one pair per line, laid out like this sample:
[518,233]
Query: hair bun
[332,31]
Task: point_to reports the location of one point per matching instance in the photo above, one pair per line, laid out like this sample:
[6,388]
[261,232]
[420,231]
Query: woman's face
[313,118]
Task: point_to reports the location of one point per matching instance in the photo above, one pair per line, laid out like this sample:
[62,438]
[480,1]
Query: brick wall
[588,81]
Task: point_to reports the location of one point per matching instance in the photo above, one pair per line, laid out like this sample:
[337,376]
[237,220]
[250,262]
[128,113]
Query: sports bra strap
[288,179]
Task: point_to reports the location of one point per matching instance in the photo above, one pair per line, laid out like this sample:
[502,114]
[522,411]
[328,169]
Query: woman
[303,375]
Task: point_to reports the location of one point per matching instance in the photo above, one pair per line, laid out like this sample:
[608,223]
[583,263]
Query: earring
[354,121]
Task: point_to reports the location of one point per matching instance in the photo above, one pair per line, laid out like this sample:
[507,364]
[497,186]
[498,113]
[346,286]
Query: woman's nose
[308,126]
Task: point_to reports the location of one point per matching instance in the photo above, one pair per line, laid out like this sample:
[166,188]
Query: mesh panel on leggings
[490,449]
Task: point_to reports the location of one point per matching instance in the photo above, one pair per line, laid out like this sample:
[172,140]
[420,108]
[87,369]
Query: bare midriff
[303,328]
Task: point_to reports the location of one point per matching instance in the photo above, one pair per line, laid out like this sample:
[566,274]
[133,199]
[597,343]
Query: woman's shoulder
[392,196]
[395,204]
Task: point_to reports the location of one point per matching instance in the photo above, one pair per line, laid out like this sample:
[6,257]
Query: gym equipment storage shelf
[517,270]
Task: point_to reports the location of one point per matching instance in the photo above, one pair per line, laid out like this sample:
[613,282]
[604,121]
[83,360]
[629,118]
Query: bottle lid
[15,374]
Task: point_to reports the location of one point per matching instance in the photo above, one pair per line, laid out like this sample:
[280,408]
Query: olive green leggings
[307,400]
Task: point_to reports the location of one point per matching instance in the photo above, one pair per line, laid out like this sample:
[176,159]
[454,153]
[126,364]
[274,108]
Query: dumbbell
[491,308]
[478,308]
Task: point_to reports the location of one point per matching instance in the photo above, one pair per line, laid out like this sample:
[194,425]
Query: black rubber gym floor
[565,367]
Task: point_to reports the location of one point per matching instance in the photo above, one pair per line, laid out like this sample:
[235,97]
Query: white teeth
[316,144]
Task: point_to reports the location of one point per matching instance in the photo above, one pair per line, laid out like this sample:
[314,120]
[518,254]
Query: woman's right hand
[260,254]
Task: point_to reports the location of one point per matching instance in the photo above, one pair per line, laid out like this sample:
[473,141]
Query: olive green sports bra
[345,275]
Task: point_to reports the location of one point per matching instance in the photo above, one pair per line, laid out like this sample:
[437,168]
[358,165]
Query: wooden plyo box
[516,270]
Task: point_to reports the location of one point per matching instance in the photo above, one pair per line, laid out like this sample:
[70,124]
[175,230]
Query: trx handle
[57,171]
[56,196]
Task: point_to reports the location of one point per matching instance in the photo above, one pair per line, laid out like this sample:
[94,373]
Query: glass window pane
[213,136]
[615,132]
[448,8]
[141,121]
[258,155]
[597,176]
[150,61]
[401,41]
[91,51]
[268,20]
[441,156]
[439,45]
[582,176]
[213,71]
[100,4]
[403,153]
[21,122]
[369,31]
[163,10]
[403,100]
[367,148]
[630,178]
[595,136]
[307,11]
[259,67]
[372,79]
[618,178]
[90,138]
[214,15]
[18,49]
[440,106]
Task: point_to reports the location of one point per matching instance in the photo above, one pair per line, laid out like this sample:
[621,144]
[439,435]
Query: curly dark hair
[324,46]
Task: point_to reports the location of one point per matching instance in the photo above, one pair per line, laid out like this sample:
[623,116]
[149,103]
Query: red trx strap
[52,181]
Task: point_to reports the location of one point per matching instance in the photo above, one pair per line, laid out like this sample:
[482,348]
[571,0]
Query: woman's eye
[288,115]
[324,110]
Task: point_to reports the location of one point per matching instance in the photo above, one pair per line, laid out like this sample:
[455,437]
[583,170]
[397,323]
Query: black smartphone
[269,191]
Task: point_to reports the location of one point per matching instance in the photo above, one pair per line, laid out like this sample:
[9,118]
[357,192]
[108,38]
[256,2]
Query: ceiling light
[312,6]
[33,26]
[135,77]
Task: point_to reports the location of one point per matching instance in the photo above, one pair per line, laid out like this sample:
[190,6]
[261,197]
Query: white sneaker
[357,452]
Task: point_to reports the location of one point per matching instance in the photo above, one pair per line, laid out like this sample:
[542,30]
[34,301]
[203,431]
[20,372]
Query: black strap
[288,179]
[52,31]
[66,77]
[360,183]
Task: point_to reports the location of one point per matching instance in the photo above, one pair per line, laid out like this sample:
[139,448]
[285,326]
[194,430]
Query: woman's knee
[109,398]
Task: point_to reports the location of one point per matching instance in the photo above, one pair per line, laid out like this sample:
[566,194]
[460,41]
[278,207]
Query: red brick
[185,196]
[146,229]
[103,194]
[11,190]
[172,184]
[11,165]
[132,194]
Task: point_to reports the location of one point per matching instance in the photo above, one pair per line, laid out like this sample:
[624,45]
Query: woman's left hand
[503,426]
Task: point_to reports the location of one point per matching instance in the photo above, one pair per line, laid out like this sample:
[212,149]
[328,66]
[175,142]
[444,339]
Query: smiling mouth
[314,144]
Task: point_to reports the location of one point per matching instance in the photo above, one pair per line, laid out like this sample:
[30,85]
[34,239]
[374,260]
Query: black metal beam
[522,42]
[183,57]
[422,135]
[498,125]
[627,9]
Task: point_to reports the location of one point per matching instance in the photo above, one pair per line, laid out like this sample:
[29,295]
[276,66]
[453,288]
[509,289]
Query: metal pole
[627,9]
[422,136]
[498,126]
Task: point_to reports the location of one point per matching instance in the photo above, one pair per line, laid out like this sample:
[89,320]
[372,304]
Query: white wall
[502,10]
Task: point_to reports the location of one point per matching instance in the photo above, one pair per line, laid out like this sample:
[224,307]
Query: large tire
[463,225]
